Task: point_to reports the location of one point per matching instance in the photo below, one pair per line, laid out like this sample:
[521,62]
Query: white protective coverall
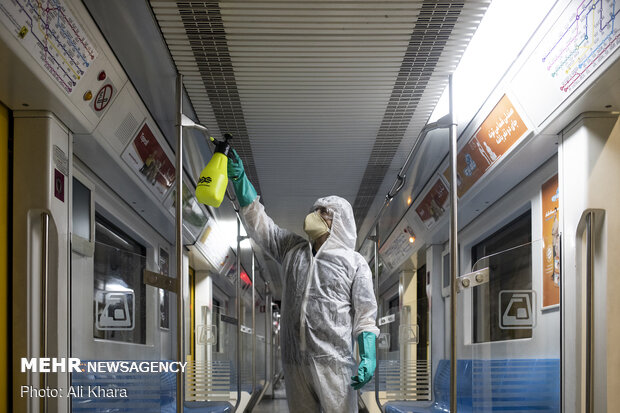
[328,300]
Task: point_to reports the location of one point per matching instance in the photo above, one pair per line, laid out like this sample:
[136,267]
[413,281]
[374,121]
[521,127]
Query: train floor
[277,404]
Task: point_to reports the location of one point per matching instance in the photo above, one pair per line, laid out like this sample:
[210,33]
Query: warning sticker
[102,98]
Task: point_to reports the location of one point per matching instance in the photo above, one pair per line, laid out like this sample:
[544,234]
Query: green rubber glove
[368,362]
[246,194]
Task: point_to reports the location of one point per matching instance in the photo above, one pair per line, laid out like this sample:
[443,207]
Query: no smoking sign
[102,99]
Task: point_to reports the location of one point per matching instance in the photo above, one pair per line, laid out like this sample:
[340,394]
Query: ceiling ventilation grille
[196,38]
[328,92]
[439,38]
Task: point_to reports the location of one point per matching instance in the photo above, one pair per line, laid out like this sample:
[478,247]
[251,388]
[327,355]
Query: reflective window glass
[81,210]
[119,293]
[508,255]
[393,327]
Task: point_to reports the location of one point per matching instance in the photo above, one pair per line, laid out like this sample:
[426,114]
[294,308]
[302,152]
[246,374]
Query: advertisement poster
[194,219]
[495,136]
[472,162]
[398,246]
[218,253]
[434,204]
[147,158]
[551,243]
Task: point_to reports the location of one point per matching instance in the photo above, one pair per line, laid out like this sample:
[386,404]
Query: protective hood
[343,224]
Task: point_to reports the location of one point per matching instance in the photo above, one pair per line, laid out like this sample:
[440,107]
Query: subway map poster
[575,44]
[586,33]
[52,35]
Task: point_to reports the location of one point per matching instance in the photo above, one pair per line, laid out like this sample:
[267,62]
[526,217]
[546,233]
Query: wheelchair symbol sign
[517,309]
[114,310]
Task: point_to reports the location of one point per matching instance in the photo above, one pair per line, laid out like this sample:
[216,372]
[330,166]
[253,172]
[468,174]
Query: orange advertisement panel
[434,204]
[495,136]
[471,164]
[551,242]
[501,129]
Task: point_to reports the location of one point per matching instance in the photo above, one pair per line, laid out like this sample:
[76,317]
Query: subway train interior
[476,141]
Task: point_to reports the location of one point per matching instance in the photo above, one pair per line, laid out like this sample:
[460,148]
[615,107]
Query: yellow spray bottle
[214,177]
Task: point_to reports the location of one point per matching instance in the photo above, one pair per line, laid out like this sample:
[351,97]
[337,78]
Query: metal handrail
[453,248]
[268,334]
[588,223]
[238,284]
[45,225]
[376,257]
[179,241]
[446,121]
[589,312]
[268,381]
[253,330]
[181,122]
[401,177]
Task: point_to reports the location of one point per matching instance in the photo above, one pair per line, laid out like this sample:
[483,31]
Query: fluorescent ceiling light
[503,32]
[228,232]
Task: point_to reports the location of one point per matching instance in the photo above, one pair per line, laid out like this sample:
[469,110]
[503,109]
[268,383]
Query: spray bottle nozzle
[223,146]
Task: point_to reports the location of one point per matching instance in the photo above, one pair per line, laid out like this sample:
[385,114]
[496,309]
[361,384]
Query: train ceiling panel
[323,97]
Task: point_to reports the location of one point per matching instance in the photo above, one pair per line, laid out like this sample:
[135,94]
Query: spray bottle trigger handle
[232,154]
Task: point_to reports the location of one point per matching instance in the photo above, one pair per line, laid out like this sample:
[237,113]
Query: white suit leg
[300,395]
[331,381]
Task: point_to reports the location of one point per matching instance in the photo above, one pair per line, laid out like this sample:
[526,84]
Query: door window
[119,293]
[508,255]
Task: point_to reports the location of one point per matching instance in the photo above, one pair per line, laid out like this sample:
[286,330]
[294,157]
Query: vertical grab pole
[45,232]
[376,258]
[253,329]
[589,313]
[238,284]
[453,248]
[179,242]
[267,332]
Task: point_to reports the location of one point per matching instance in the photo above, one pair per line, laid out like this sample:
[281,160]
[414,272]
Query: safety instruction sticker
[51,34]
[102,98]
[517,309]
[114,310]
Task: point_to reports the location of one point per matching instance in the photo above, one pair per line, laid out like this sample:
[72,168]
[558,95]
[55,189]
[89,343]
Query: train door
[589,168]
[4,255]
[508,304]
[40,276]
[115,316]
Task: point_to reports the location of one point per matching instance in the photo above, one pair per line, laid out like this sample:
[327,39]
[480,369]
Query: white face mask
[315,226]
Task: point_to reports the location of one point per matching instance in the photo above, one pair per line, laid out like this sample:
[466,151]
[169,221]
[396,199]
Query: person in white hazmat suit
[328,300]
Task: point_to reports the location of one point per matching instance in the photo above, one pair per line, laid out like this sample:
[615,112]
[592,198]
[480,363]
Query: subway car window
[81,210]
[393,327]
[216,321]
[445,272]
[422,315]
[119,293]
[508,254]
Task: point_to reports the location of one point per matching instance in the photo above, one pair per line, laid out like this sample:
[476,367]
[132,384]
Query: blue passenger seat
[208,407]
[146,392]
[510,385]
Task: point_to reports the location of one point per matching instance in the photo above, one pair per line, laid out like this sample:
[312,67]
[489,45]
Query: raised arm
[274,240]
[271,238]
